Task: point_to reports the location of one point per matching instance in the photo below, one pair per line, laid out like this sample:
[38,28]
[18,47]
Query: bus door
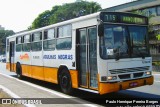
[86,50]
[11,55]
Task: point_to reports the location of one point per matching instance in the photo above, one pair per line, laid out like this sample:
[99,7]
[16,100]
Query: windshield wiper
[117,54]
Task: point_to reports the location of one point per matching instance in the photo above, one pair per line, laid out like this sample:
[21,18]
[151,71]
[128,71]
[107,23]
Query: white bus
[101,53]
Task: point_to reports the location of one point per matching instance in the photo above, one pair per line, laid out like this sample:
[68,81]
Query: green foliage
[158,37]
[42,20]
[3,35]
[65,12]
[156,63]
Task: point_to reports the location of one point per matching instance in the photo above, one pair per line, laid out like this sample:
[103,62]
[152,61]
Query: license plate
[133,84]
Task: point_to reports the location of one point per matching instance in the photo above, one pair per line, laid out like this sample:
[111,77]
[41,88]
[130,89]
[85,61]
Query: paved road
[141,92]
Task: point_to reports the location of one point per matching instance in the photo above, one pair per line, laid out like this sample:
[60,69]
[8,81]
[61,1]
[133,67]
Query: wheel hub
[64,81]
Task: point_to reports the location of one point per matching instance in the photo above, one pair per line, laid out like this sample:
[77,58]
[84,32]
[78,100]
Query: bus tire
[19,71]
[65,81]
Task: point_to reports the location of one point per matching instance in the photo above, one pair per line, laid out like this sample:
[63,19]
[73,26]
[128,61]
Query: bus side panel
[37,65]
[25,60]
[50,74]
[7,66]
[25,70]
[37,72]
[74,78]
[14,67]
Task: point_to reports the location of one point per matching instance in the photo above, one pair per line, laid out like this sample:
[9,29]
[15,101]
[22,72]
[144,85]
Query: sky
[18,15]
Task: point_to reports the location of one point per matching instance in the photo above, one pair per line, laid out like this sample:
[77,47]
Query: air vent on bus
[129,70]
[126,76]
[136,75]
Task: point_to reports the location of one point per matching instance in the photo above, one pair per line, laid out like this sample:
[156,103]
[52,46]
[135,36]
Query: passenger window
[64,41]
[26,44]
[37,36]
[19,44]
[49,41]
[36,44]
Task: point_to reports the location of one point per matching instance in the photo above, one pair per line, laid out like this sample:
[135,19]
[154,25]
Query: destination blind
[124,18]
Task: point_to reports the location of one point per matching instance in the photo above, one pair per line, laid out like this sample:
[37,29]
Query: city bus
[101,53]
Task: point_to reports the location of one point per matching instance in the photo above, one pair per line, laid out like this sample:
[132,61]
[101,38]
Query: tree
[3,35]
[65,12]
[42,20]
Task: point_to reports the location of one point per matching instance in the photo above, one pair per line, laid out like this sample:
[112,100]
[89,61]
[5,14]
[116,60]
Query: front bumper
[114,87]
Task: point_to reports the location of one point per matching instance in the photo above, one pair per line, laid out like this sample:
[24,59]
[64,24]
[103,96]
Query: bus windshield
[124,41]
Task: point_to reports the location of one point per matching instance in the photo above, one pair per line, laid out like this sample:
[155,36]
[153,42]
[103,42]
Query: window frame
[33,42]
[48,39]
[26,43]
[19,43]
[58,37]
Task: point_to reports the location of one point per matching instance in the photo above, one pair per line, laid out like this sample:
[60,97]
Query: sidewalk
[26,90]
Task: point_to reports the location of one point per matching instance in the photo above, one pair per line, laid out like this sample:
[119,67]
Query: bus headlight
[104,78]
[148,73]
[112,77]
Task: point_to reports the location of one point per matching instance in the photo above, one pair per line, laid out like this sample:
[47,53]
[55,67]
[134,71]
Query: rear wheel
[19,71]
[65,81]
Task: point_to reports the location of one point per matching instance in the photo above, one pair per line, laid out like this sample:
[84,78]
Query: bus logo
[24,57]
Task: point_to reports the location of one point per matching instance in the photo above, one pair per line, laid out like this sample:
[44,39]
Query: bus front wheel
[65,81]
[19,71]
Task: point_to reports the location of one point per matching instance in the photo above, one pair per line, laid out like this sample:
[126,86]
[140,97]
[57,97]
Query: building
[151,9]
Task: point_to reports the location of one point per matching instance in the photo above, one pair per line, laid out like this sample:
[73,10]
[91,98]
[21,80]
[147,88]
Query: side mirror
[101,29]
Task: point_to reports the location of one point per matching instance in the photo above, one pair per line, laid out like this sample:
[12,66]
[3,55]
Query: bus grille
[129,70]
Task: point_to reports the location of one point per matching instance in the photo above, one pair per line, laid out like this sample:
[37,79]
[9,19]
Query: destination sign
[132,19]
[124,18]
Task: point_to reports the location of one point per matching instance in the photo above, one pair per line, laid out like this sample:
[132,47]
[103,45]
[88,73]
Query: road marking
[38,87]
[156,81]
[13,95]
[51,91]
[156,74]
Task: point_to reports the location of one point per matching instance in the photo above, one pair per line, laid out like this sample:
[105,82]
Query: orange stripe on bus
[7,66]
[37,72]
[74,78]
[50,75]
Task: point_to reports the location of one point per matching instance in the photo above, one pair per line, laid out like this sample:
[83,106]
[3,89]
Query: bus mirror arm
[101,29]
